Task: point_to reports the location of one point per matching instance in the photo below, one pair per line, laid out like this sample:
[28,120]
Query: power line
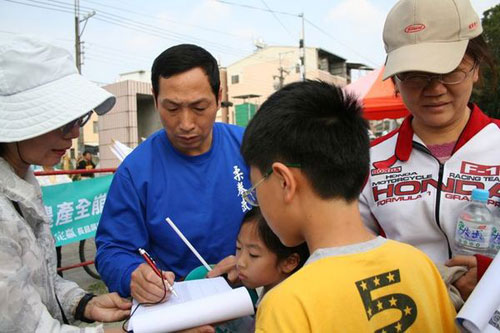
[115,57]
[36,6]
[128,21]
[120,23]
[96,47]
[115,52]
[341,43]
[138,27]
[132,25]
[109,20]
[256,8]
[64,6]
[277,19]
[179,36]
[291,14]
[274,12]
[165,19]
[155,32]
[123,63]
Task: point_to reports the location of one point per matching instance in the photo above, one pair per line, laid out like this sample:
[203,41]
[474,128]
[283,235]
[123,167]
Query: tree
[487,95]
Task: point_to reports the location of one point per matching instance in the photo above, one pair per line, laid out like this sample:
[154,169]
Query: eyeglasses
[418,80]
[80,122]
[250,195]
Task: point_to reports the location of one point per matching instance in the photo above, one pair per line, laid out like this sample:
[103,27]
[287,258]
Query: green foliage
[487,94]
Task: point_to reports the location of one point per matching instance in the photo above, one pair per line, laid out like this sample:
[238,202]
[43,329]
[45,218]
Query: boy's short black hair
[181,58]
[273,243]
[314,124]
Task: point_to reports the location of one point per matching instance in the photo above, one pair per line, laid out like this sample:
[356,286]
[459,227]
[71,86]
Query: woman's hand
[468,281]
[107,308]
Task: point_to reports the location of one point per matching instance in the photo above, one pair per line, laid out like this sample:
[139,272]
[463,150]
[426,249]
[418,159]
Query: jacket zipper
[424,149]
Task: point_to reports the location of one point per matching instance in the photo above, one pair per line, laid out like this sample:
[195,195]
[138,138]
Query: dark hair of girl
[272,242]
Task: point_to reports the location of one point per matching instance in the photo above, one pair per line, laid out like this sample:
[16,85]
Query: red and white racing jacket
[413,198]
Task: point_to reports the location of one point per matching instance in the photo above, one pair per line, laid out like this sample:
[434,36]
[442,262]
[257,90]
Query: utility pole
[281,77]
[302,51]
[225,104]
[78,54]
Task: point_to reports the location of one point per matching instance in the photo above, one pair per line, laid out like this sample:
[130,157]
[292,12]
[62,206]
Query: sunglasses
[78,122]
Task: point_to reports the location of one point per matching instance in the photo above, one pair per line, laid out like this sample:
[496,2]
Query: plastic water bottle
[474,226]
[495,233]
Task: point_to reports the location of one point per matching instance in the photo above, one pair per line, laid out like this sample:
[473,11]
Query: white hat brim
[37,111]
[434,57]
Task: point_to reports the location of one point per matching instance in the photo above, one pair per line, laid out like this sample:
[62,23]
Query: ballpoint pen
[152,264]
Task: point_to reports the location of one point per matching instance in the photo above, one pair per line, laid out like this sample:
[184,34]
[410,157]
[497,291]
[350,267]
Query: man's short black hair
[313,124]
[86,152]
[181,58]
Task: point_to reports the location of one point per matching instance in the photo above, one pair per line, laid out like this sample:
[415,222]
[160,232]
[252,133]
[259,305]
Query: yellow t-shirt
[392,287]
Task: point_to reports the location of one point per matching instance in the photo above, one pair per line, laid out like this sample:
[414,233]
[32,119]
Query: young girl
[261,259]
[261,262]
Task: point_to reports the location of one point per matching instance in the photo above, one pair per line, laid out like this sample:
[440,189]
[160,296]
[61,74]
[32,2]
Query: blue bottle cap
[480,194]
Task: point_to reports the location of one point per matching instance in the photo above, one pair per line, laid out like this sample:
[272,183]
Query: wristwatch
[80,308]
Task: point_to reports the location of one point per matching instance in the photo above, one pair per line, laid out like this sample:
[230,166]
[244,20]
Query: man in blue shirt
[191,171]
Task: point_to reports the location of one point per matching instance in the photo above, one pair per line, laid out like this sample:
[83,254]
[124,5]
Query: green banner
[75,208]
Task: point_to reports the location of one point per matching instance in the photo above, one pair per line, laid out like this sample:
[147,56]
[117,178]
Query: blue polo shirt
[201,195]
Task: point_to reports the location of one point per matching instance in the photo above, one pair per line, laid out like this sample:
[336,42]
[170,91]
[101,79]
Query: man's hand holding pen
[147,287]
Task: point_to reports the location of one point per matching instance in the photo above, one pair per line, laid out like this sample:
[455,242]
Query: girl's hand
[226,266]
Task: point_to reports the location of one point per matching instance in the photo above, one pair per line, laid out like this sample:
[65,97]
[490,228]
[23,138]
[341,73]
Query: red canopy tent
[378,97]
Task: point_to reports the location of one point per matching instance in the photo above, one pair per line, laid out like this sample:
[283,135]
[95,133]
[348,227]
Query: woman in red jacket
[422,174]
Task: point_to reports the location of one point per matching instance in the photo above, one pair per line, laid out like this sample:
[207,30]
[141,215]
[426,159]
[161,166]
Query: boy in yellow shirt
[308,150]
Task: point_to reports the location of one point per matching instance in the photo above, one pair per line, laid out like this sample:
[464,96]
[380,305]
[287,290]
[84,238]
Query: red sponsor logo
[414,28]
[385,164]
[473,25]
[470,168]
[385,171]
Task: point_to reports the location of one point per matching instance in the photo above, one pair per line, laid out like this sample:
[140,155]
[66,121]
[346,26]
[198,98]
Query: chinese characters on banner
[75,208]
[239,176]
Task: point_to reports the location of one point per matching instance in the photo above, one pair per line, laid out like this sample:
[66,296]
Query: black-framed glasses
[420,79]
[80,122]
[250,195]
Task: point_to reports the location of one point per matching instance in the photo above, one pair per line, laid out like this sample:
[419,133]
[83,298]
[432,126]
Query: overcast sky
[126,35]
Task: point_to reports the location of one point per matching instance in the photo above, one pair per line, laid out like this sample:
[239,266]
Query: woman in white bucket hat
[43,103]
[422,174]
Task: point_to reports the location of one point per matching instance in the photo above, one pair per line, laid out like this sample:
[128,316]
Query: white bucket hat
[428,35]
[41,89]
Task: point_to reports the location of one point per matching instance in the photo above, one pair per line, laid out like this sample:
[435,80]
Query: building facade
[245,85]
[252,79]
